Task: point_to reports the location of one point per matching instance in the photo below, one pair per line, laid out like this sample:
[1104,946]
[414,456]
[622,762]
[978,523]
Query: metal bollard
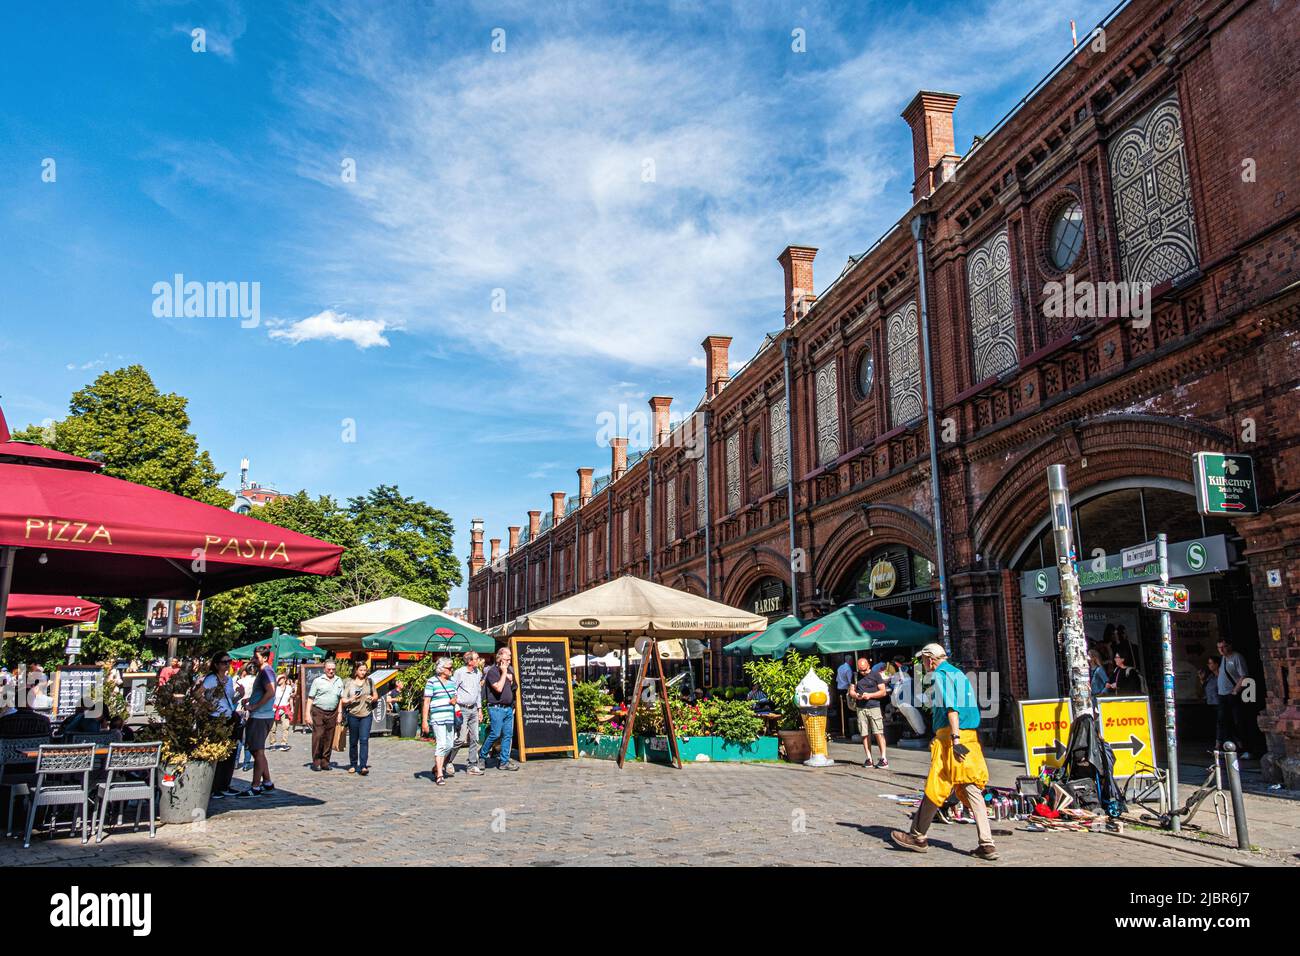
[1234,788]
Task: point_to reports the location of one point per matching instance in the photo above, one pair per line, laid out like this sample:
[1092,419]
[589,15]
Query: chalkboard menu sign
[74,686]
[544,712]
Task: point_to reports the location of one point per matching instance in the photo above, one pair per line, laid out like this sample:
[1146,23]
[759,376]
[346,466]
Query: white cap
[934,650]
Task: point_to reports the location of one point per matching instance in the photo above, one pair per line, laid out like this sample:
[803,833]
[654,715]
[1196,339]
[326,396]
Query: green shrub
[591,706]
[779,678]
[732,720]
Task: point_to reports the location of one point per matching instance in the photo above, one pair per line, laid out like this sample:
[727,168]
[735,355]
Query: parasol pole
[8,554]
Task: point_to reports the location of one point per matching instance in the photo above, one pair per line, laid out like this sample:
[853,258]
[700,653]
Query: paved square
[561,811]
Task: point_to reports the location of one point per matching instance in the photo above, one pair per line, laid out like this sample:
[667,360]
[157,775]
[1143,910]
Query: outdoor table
[33,754]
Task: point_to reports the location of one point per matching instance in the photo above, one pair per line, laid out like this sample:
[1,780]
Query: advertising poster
[158,617]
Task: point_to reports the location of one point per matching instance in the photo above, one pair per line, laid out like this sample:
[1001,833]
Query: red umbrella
[64,527]
[32,611]
[90,533]
[21,452]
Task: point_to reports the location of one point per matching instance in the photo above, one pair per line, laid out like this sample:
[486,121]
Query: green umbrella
[284,648]
[772,641]
[857,628]
[433,632]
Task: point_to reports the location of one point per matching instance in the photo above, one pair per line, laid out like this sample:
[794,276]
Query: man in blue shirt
[956,760]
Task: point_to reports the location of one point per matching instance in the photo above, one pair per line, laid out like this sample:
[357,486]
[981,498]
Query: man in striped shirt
[440,712]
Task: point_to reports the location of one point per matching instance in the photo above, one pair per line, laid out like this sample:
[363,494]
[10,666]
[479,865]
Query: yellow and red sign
[1126,726]
[1044,733]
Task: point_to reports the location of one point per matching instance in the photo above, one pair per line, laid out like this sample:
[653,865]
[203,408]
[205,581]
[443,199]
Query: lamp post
[1071,637]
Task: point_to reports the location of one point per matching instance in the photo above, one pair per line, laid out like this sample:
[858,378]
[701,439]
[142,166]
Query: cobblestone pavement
[560,811]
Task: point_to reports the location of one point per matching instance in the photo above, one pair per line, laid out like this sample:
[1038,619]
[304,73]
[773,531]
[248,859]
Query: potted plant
[412,696]
[193,743]
[593,707]
[778,680]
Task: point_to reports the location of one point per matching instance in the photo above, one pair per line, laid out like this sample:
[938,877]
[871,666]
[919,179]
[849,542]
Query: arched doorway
[1110,517]
[893,579]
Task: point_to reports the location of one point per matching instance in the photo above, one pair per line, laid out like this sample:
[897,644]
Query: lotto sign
[1044,733]
[1161,598]
[1126,726]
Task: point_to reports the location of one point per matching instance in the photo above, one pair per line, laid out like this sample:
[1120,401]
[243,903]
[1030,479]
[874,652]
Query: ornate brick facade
[1175,147]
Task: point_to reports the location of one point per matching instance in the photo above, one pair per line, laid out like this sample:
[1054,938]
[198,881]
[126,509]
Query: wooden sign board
[544,721]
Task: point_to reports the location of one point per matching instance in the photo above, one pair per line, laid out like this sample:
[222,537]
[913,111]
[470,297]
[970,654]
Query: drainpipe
[918,233]
[649,518]
[789,487]
[609,529]
[708,513]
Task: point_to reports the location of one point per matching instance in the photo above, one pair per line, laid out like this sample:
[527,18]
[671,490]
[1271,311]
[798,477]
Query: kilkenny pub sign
[1225,484]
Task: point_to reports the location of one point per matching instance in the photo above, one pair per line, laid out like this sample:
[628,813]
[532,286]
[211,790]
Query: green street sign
[1225,484]
[1196,556]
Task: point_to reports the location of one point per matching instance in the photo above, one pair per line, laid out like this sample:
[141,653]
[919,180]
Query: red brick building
[1158,159]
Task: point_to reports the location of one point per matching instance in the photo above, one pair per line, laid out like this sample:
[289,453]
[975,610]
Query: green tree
[139,433]
[411,540]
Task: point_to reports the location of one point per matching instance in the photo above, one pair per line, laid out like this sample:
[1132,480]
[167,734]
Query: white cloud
[334,326]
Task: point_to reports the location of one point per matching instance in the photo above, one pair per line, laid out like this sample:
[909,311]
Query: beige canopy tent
[621,611]
[343,630]
[631,610]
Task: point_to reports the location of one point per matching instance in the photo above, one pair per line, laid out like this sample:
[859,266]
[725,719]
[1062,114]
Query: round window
[866,373]
[756,446]
[1067,236]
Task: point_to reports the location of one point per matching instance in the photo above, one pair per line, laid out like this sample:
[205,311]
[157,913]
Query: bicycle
[1149,782]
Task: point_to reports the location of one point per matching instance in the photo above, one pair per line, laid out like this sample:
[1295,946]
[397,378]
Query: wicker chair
[101,739]
[18,782]
[62,761]
[139,765]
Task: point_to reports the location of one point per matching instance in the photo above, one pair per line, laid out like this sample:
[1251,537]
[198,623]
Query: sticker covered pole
[1071,638]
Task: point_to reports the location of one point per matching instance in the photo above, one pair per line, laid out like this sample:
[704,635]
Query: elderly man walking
[956,760]
[468,682]
[326,696]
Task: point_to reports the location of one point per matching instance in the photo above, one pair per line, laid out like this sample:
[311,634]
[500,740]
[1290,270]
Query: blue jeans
[501,723]
[359,736]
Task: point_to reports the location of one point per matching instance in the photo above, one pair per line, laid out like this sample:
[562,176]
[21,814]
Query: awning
[285,648]
[29,612]
[762,644]
[344,629]
[91,534]
[433,633]
[857,628]
[621,610]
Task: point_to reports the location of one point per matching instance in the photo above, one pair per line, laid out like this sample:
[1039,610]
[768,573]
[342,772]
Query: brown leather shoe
[985,851]
[909,841]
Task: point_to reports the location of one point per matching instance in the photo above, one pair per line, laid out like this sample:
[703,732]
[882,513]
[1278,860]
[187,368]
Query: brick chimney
[659,406]
[797,261]
[514,538]
[534,524]
[617,458]
[933,146]
[496,549]
[584,486]
[716,371]
[475,546]
[557,507]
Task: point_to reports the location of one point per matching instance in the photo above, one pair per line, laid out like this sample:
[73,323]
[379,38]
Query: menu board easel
[544,721]
[73,686]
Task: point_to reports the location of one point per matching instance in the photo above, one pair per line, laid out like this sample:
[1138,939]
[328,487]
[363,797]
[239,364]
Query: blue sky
[621,177]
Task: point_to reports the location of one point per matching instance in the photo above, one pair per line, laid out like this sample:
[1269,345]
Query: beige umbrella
[620,611]
[343,630]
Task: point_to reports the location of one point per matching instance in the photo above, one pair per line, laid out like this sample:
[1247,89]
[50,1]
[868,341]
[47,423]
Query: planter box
[185,795]
[764,748]
[604,746]
[704,749]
